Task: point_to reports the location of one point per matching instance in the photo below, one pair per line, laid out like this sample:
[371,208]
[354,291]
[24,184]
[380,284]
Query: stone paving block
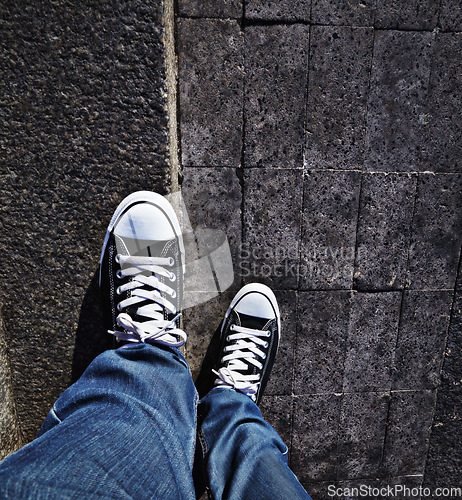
[280,381]
[396,111]
[408,430]
[451,15]
[210,61]
[330,209]
[382,240]
[421,340]
[276,75]
[411,14]
[338,86]
[213,200]
[284,10]
[272,208]
[444,460]
[314,438]
[321,338]
[442,148]
[363,420]
[437,232]
[211,8]
[200,323]
[277,410]
[371,341]
[344,13]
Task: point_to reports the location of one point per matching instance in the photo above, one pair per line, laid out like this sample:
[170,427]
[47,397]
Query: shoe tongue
[140,248]
[135,246]
[257,324]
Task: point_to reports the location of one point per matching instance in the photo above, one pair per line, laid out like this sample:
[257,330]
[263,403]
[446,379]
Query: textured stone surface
[314,439]
[280,381]
[339,72]
[371,341]
[451,15]
[212,198]
[363,421]
[421,339]
[320,349]
[276,73]
[210,8]
[442,148]
[210,84]
[83,124]
[437,232]
[410,418]
[285,10]
[396,107]
[277,410]
[411,14]
[330,207]
[272,207]
[10,434]
[382,240]
[345,13]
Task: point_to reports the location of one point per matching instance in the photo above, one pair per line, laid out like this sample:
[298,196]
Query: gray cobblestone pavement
[323,136]
[347,148]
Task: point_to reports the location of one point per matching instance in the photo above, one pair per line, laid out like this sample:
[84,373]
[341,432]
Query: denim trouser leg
[125,429]
[245,458]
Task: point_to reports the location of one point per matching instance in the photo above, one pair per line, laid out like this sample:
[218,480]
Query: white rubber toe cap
[144,221]
[255,304]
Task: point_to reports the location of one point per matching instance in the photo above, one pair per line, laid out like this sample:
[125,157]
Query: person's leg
[125,429]
[244,456]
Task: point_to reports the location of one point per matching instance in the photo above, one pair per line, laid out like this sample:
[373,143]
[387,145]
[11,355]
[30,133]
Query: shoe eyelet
[263,357]
[173,294]
[171,262]
[172,277]
[117,258]
[118,290]
[231,328]
[266,344]
[268,333]
[119,274]
[227,338]
[119,308]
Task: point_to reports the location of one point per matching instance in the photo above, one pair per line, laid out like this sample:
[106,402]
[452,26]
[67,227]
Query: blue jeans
[127,429]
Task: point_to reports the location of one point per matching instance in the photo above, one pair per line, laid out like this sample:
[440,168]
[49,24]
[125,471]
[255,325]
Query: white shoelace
[156,328]
[244,351]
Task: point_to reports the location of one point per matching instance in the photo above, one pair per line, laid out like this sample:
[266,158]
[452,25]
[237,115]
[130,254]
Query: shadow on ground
[90,339]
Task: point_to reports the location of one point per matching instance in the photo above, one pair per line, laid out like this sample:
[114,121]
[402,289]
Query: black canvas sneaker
[249,341]
[141,272]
